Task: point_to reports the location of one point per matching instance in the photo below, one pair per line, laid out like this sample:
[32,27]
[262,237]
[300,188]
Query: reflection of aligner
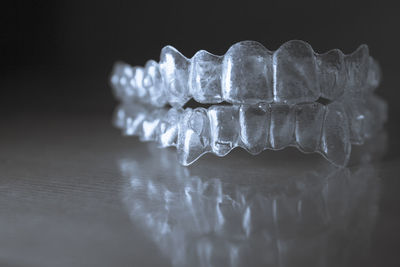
[200,220]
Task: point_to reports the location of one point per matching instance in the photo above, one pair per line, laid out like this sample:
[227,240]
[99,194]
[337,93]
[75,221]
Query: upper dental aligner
[311,127]
[248,74]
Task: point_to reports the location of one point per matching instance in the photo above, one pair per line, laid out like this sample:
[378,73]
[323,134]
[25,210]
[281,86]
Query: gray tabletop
[73,192]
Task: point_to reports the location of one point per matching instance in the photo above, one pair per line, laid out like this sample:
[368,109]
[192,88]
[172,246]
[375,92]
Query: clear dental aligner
[291,97]
[311,127]
[247,74]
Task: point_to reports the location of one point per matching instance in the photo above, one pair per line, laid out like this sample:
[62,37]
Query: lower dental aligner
[311,127]
[320,103]
[248,74]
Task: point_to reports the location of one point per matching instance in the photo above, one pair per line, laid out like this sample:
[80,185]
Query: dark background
[54,64]
[56,55]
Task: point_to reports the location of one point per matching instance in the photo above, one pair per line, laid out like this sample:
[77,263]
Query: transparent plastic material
[261,100]
[329,130]
[247,74]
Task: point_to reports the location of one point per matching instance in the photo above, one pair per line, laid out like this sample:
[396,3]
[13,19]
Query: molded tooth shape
[153,84]
[282,126]
[137,82]
[335,139]
[120,81]
[332,74]
[247,73]
[150,125]
[254,127]
[168,128]
[224,128]
[309,120]
[205,77]
[295,73]
[134,117]
[194,135]
[357,65]
[174,68]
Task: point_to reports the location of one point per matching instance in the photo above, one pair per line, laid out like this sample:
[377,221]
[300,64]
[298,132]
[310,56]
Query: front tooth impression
[224,128]
[247,73]
[309,119]
[194,136]
[332,73]
[295,73]
[335,139]
[205,77]
[282,126]
[254,126]
[174,68]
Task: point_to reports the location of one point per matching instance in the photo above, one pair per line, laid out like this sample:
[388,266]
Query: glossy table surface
[74,192]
